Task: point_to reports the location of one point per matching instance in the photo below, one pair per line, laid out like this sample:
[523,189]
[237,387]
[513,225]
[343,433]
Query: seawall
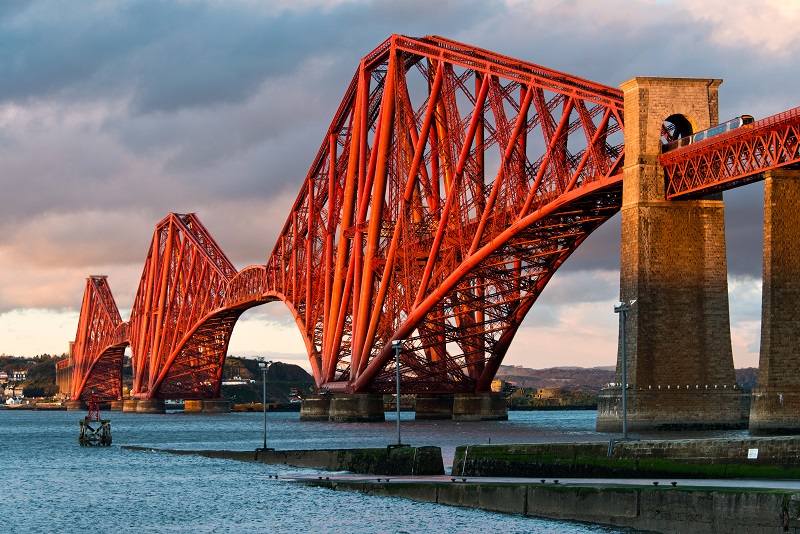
[424,461]
[659,509]
[757,458]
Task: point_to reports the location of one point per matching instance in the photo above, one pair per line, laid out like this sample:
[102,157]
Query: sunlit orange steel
[735,158]
[451,185]
[179,328]
[99,345]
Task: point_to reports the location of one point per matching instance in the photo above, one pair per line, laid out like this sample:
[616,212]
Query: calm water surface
[53,485]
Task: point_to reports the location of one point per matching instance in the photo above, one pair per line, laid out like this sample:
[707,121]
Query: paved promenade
[682,483]
[690,505]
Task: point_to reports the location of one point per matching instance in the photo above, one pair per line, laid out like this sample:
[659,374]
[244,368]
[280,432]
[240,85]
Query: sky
[115,113]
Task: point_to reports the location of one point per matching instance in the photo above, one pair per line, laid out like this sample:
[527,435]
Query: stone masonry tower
[679,359]
[776,400]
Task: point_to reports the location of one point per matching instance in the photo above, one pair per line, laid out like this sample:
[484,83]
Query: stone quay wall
[658,509]
[398,461]
[771,458]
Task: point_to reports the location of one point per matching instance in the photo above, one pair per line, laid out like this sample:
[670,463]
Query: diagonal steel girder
[99,344]
[181,291]
[451,185]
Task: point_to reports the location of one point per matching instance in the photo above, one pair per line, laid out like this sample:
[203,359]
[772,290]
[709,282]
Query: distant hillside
[282,377]
[590,380]
[747,377]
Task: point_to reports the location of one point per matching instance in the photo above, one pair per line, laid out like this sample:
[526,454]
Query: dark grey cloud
[149,107]
[177,55]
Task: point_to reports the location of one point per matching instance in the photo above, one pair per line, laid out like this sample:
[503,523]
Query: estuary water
[51,484]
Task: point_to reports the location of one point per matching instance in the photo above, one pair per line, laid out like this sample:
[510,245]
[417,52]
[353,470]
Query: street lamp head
[397,343]
[623,306]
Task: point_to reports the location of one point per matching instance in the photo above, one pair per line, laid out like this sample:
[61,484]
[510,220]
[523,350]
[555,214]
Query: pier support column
[315,408]
[674,265]
[117,405]
[483,406]
[129,405]
[776,401]
[216,406]
[433,407]
[193,406]
[357,408]
[151,406]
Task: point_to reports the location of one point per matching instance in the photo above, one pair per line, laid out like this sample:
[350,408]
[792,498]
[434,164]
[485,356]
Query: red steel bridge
[451,185]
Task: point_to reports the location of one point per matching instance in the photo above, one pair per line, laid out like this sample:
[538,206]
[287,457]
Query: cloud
[113,114]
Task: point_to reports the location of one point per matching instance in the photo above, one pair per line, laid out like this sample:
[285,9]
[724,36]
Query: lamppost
[264,368]
[397,345]
[622,308]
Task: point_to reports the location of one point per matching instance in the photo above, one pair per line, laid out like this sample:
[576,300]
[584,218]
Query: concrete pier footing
[433,407]
[151,406]
[369,407]
[116,406]
[775,411]
[315,408]
[129,405]
[720,408]
[77,406]
[343,408]
[484,406]
[357,408]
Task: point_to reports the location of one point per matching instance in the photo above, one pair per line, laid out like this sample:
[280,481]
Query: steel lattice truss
[99,344]
[736,158]
[451,185]
[179,329]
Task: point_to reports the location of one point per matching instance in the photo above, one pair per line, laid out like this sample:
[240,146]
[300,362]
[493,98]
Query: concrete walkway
[691,505]
[683,483]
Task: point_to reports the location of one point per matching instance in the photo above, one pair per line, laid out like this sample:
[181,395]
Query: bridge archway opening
[744,234]
[269,330]
[579,297]
[675,127]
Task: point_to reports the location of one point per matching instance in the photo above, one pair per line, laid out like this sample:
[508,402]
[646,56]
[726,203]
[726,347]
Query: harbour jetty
[669,486]
[637,503]
[393,461]
[753,458]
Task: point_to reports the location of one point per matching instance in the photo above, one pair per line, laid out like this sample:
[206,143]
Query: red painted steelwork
[99,345]
[94,408]
[451,185]
[735,158]
[179,327]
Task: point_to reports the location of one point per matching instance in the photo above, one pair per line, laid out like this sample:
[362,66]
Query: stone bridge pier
[674,265]
[776,399]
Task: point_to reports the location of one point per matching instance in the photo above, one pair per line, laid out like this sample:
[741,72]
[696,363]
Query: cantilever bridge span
[449,188]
